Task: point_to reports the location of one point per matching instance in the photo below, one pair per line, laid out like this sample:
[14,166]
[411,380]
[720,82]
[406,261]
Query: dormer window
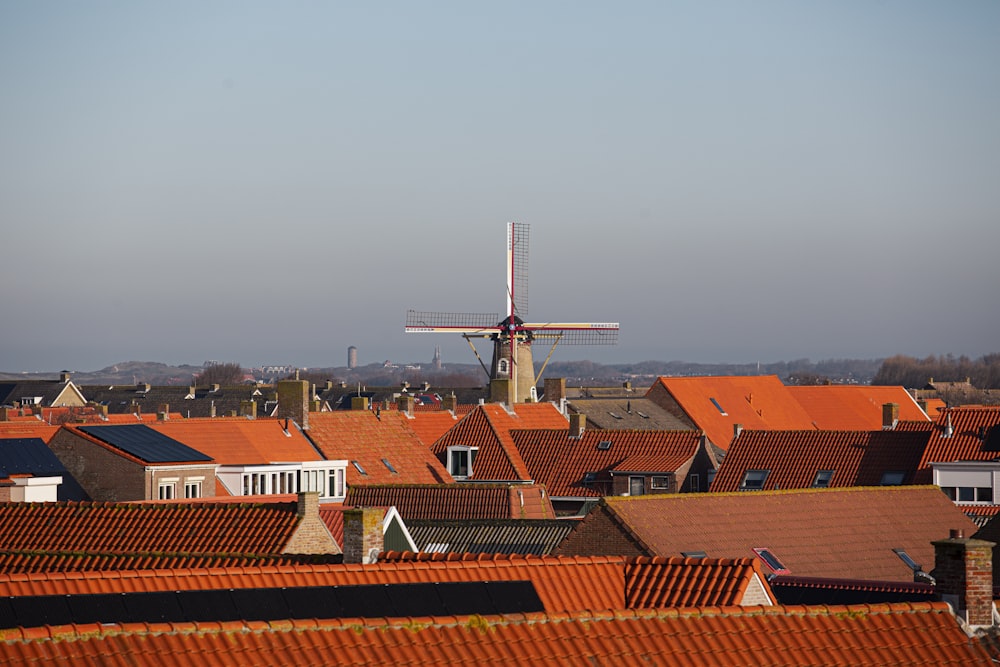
[753,480]
[460,460]
[822,479]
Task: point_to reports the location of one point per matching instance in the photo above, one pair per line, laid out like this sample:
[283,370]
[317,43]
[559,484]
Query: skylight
[615,415]
[358,467]
[694,554]
[389,466]
[822,479]
[892,477]
[604,445]
[771,560]
[753,480]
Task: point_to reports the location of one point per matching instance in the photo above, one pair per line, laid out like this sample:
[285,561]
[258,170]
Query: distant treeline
[982,373]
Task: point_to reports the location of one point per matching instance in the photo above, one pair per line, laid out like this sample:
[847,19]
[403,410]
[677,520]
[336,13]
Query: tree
[220,374]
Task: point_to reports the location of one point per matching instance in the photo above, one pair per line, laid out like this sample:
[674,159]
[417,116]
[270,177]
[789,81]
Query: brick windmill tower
[512,371]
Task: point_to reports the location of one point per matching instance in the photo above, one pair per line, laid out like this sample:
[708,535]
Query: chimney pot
[957,534]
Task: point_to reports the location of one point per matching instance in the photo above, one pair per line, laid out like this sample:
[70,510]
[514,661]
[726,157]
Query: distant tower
[437,357]
[352,357]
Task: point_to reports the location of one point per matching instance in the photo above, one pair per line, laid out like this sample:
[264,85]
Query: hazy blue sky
[273,182]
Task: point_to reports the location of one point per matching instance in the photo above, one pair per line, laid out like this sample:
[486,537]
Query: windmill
[512,374]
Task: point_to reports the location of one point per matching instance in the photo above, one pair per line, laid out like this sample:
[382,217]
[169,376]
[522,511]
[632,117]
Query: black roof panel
[143,442]
[28,456]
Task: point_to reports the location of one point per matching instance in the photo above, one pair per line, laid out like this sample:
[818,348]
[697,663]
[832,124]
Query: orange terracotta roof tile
[854,407]
[657,582]
[716,404]
[846,533]
[900,634]
[562,584]
[241,441]
[456,501]
[489,427]
[794,458]
[28,429]
[562,463]
[430,425]
[367,438]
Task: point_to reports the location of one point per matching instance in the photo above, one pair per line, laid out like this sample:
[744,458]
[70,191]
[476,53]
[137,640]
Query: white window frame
[764,474]
[470,457]
[193,487]
[166,489]
[659,482]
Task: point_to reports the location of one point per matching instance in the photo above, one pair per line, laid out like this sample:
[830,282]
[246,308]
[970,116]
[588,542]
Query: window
[892,477]
[636,486]
[502,368]
[969,494]
[660,482]
[192,489]
[167,490]
[694,486]
[822,479]
[461,460]
[589,477]
[694,554]
[388,465]
[337,482]
[604,445]
[357,466]
[771,560]
[719,407]
[753,480]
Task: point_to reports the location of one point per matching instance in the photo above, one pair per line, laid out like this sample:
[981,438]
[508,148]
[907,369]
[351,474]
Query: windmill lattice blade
[422,320]
[517,246]
[578,336]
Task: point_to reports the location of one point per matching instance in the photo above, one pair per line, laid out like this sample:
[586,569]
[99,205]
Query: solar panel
[28,456]
[144,443]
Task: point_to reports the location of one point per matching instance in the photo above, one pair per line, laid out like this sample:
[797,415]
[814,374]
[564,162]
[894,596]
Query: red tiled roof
[456,501]
[965,443]
[489,427]
[241,441]
[855,407]
[363,436]
[857,458]
[562,584]
[758,402]
[560,462]
[903,634]
[847,533]
[143,529]
[659,582]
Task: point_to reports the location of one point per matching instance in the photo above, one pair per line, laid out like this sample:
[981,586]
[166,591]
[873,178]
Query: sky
[273,182]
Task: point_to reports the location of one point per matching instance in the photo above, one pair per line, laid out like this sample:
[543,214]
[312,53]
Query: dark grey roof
[537,537]
[626,413]
[127,399]
[47,390]
[144,443]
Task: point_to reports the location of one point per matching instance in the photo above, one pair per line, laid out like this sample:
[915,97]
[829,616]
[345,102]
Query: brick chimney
[64,376]
[963,570]
[405,404]
[293,401]
[502,391]
[555,390]
[359,403]
[449,402]
[577,425]
[890,416]
[6,414]
[311,536]
[163,412]
[363,538]
[248,409]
